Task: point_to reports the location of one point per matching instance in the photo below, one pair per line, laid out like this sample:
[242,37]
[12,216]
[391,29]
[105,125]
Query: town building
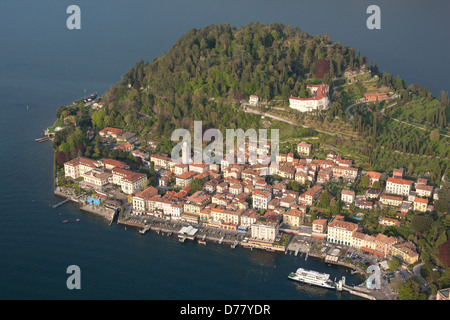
[348,196]
[420,204]
[443,294]
[311,195]
[393,201]
[140,154]
[374,96]
[304,148]
[184,179]
[293,218]
[266,228]
[318,100]
[110,132]
[373,177]
[398,186]
[389,222]
[140,200]
[253,99]
[77,167]
[424,191]
[340,231]
[406,251]
[319,228]
[261,199]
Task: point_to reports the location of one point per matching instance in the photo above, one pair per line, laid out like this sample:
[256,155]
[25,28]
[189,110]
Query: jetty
[43,139]
[187,233]
[143,231]
[359,291]
[61,203]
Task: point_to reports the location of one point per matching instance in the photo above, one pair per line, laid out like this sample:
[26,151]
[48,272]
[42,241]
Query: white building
[348,196]
[253,99]
[261,199]
[398,186]
[318,100]
[266,228]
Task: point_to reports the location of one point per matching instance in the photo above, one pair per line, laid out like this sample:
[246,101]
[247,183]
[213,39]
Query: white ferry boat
[312,277]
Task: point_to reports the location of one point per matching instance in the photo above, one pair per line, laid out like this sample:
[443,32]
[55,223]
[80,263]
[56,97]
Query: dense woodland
[209,70]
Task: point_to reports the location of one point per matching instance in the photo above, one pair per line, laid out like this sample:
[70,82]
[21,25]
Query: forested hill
[209,69]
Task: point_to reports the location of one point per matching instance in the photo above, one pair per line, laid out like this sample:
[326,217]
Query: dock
[187,233]
[61,203]
[43,139]
[143,231]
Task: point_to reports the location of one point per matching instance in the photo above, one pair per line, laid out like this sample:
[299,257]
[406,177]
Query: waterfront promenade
[297,244]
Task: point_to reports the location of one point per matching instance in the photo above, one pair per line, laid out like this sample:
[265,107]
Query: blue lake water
[45,65]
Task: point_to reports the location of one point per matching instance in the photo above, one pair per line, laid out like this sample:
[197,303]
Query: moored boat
[312,277]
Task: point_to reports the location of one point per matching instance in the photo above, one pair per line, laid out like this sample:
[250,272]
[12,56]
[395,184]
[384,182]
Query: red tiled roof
[399,181]
[111,130]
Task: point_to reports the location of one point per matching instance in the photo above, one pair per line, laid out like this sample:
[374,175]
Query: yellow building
[293,218]
[406,251]
[420,204]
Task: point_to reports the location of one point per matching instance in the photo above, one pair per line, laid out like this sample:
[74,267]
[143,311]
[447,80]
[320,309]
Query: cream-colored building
[420,204]
[304,148]
[398,186]
[424,191]
[140,201]
[133,182]
[311,195]
[391,200]
[161,161]
[293,218]
[185,179]
[340,231]
[75,168]
[97,178]
[362,240]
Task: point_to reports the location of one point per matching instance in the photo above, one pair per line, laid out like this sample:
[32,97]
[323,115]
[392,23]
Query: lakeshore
[205,235]
[167,229]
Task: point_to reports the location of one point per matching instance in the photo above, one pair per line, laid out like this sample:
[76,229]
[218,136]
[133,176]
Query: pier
[61,203]
[187,233]
[43,139]
[143,231]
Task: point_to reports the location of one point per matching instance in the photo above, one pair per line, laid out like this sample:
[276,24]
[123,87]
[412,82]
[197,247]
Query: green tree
[365,181]
[98,119]
[324,200]
[408,291]
[196,185]
[393,264]
[434,135]
[421,223]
